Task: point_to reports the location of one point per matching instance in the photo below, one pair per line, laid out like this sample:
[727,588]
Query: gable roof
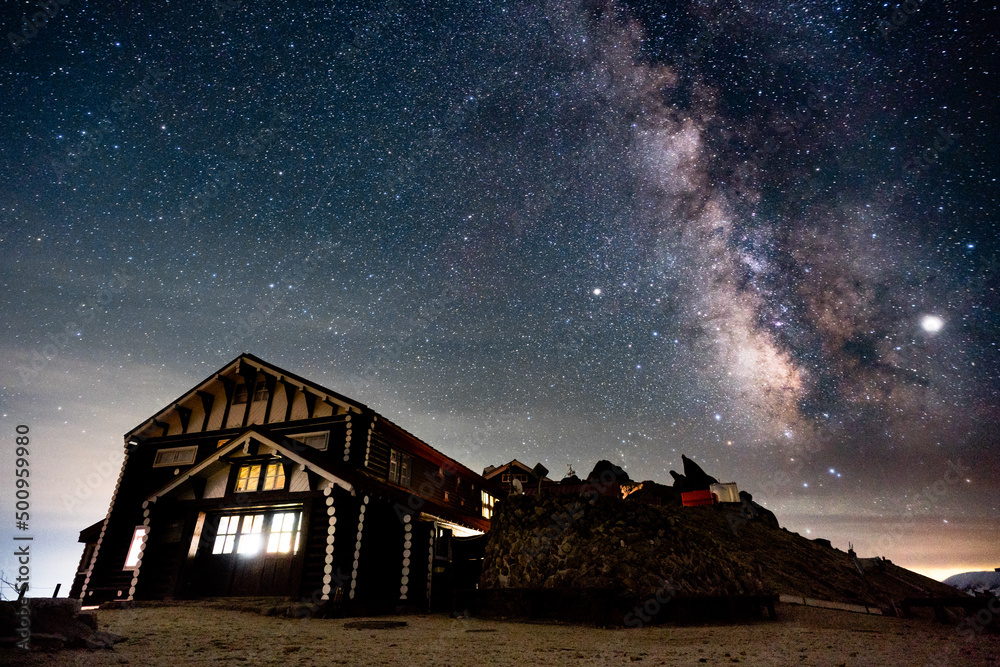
[489,474]
[238,442]
[233,366]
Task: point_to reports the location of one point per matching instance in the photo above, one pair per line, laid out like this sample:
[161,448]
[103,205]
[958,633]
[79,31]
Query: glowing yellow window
[274,478]
[284,537]
[488,502]
[248,478]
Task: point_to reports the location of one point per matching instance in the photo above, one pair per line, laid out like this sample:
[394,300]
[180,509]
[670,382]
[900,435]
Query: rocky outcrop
[51,624]
[693,479]
[595,542]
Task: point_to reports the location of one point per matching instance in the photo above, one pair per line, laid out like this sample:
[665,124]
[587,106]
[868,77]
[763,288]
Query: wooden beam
[198,486]
[207,400]
[229,386]
[249,374]
[270,382]
[184,414]
[290,390]
[310,402]
[163,425]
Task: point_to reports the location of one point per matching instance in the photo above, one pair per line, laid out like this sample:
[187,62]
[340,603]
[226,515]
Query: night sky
[760,234]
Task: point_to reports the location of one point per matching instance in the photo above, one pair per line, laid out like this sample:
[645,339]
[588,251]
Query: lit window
[251,539]
[399,467]
[505,477]
[274,477]
[175,456]
[248,478]
[284,537]
[134,549]
[488,502]
[225,537]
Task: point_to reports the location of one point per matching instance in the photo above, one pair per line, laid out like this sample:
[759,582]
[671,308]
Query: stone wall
[631,549]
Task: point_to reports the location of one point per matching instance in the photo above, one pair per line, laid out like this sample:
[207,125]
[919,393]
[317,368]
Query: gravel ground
[196,635]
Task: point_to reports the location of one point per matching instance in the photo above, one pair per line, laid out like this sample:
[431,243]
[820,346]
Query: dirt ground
[194,635]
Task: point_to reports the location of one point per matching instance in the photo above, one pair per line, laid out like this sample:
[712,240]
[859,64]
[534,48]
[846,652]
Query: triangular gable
[204,407]
[505,467]
[237,443]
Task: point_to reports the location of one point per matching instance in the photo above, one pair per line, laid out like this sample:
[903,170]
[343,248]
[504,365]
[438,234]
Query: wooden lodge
[258,482]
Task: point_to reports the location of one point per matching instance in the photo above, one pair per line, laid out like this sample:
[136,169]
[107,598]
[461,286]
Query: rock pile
[51,624]
[596,542]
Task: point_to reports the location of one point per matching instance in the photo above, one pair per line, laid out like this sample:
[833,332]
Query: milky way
[556,231]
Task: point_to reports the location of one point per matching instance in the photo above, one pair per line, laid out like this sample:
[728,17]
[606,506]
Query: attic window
[175,456]
[274,477]
[249,478]
[318,441]
[259,393]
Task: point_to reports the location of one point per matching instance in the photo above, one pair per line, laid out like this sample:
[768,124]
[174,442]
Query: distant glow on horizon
[932,323]
[942,573]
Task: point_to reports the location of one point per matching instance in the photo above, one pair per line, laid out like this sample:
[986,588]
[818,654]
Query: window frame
[257,482]
[299,437]
[253,534]
[135,548]
[267,477]
[400,468]
[488,501]
[158,461]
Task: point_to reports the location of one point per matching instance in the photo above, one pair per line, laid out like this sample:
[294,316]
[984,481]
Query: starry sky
[759,234]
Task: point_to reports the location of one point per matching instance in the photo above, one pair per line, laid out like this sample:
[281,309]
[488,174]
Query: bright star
[932,323]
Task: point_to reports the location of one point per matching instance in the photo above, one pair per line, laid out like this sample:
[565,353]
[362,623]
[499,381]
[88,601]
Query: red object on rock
[695,498]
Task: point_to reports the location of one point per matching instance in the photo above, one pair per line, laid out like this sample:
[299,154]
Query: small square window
[260,392]
[274,477]
[249,477]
